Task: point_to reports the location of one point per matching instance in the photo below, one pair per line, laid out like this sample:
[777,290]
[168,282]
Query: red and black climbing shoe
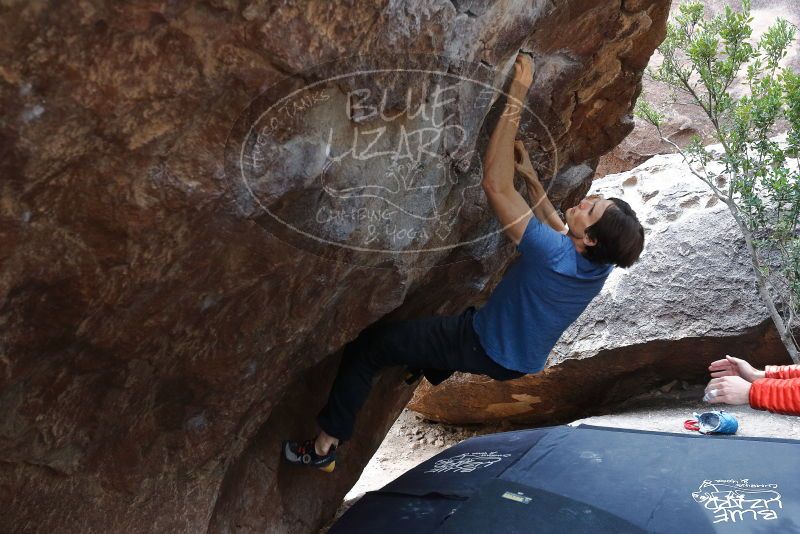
[304,454]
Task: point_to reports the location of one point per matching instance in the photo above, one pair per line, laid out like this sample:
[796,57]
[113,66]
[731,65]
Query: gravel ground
[411,441]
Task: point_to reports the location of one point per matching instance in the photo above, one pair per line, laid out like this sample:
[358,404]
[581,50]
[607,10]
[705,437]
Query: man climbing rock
[561,269]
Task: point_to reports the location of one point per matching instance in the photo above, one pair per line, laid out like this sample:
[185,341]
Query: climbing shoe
[304,454]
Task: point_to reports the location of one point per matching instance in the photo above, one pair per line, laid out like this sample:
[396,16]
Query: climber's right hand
[523,73]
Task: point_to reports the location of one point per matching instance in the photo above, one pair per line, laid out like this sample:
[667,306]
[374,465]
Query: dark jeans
[439,345]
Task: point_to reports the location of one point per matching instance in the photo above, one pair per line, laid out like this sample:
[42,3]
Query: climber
[734,381]
[561,269]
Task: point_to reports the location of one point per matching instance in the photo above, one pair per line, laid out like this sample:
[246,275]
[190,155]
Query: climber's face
[586,213]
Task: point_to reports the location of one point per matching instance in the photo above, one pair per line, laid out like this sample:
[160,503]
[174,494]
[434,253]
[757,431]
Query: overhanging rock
[158,339]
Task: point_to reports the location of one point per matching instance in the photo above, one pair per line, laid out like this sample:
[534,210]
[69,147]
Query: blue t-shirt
[540,295]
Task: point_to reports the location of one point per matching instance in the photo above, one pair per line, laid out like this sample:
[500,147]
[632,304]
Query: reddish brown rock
[579,388]
[158,334]
[644,142]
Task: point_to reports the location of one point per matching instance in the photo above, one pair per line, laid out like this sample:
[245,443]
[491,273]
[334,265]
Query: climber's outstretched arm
[498,165]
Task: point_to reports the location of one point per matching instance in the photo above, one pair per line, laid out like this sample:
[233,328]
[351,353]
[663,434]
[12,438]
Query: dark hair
[619,236]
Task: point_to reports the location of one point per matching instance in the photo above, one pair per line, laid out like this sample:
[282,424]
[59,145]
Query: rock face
[160,333]
[689,300]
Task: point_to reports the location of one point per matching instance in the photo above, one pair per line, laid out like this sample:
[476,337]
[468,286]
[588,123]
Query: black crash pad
[622,479]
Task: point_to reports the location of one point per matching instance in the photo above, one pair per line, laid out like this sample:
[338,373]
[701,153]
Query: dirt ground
[412,440]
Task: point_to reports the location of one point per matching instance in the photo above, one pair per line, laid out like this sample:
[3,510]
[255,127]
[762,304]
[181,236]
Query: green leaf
[644,110]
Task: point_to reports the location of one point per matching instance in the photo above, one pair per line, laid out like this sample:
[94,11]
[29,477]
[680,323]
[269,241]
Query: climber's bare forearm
[534,197]
[498,172]
[542,207]
[498,165]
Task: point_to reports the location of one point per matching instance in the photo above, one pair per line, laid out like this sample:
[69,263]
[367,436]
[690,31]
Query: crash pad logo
[364,156]
[735,501]
[467,462]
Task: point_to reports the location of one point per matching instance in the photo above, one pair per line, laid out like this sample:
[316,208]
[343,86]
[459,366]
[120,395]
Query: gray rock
[694,279]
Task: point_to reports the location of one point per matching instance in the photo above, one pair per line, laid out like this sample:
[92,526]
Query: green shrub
[755,174]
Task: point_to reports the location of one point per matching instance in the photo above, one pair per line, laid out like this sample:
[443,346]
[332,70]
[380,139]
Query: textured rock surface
[156,341]
[689,300]
[643,142]
[682,119]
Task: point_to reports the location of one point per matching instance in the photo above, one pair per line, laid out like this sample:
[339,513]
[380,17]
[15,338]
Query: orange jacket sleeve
[782,371]
[776,395]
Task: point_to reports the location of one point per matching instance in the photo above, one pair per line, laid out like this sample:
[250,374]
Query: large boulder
[689,300]
[173,293]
